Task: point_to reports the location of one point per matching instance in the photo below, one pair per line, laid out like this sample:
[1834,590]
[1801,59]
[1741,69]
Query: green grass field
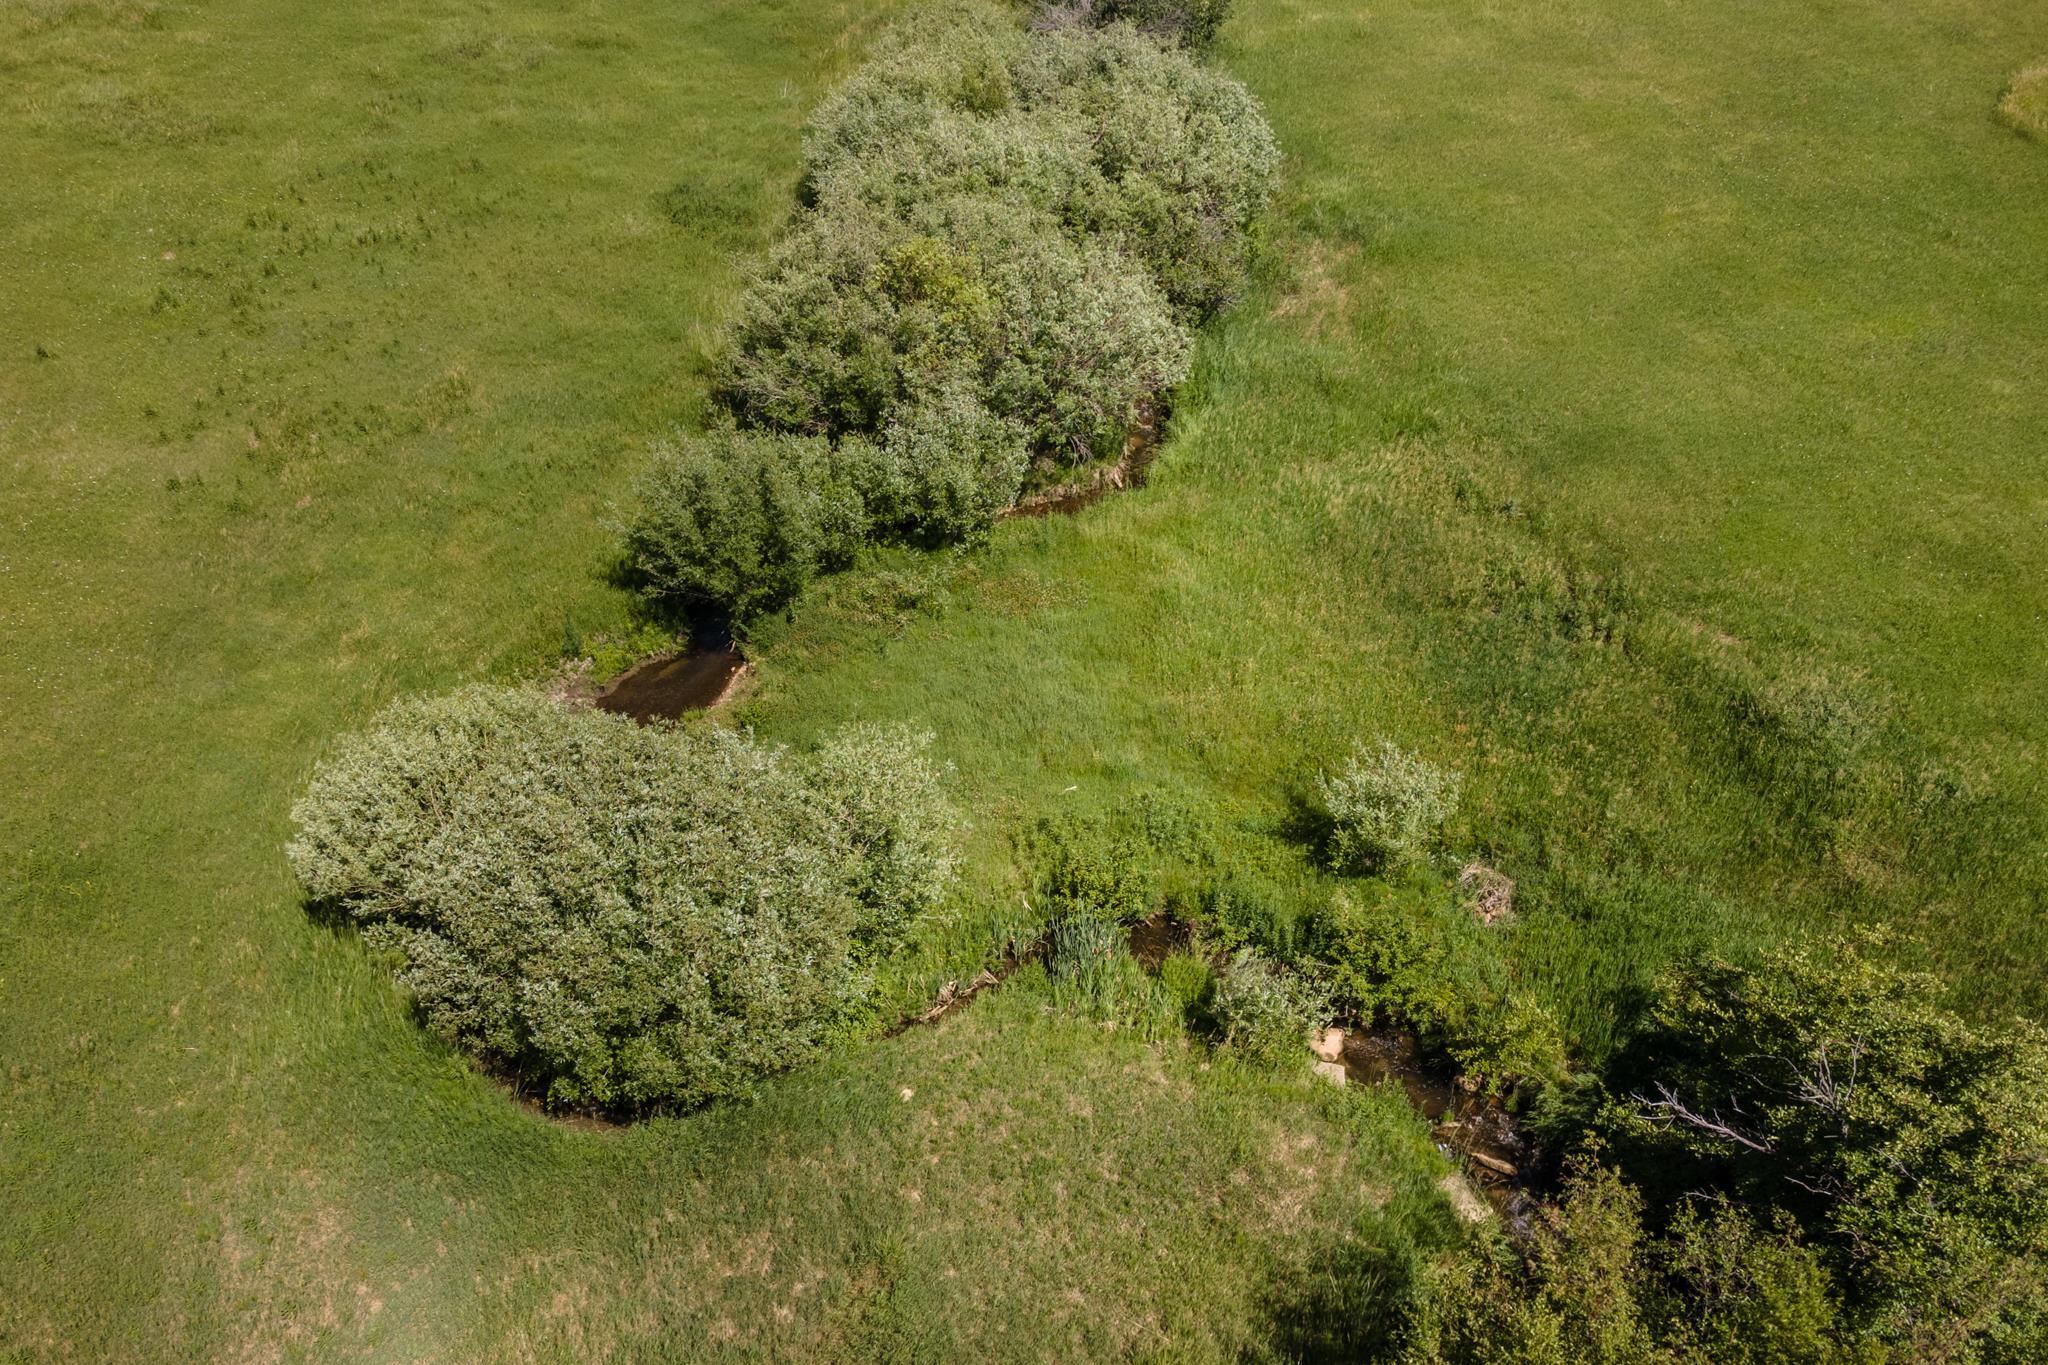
[1640,409]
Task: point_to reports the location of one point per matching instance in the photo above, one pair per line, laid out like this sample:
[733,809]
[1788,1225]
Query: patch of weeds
[1088,865]
[2025,106]
[711,211]
[612,654]
[1093,975]
[1264,1012]
[1248,910]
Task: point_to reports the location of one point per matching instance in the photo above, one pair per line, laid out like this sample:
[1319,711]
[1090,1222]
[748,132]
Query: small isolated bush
[740,522]
[1264,1012]
[2025,105]
[625,917]
[951,468]
[1385,807]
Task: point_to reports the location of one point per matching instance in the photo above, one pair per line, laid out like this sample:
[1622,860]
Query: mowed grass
[330,337]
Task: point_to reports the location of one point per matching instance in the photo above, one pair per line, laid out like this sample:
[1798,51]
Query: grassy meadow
[1639,409]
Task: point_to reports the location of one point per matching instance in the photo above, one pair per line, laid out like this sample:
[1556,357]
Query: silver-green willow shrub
[626,917]
[1264,1013]
[861,311]
[1120,140]
[1385,806]
[949,468]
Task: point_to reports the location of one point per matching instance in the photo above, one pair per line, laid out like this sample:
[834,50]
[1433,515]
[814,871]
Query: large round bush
[625,917]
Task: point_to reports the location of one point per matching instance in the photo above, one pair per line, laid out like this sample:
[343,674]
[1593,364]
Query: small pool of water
[663,688]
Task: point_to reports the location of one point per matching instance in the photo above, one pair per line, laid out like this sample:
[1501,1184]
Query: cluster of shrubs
[1008,232]
[1806,1159]
[622,917]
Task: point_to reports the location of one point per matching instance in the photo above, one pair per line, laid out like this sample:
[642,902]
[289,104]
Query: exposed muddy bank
[1141,447]
[668,685]
[1471,1125]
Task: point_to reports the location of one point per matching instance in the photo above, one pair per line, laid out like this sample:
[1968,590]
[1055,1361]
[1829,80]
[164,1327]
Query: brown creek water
[664,687]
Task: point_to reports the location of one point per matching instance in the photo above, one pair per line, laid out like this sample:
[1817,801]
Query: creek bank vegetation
[1009,232]
[1805,1156]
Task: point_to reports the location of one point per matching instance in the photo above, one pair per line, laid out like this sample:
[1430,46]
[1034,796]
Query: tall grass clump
[2025,105]
[1093,975]
[621,917]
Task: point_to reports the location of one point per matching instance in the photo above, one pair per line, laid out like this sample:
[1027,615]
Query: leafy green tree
[1588,1285]
[1907,1142]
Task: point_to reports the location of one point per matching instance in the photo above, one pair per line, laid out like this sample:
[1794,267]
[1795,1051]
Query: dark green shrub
[1264,1013]
[740,522]
[625,917]
[1249,911]
[1385,807]
[1191,23]
[1414,953]
[1089,866]
[1591,1284]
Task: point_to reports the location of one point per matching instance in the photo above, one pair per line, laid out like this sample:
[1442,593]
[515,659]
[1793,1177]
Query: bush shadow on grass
[1351,1304]
[1305,822]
